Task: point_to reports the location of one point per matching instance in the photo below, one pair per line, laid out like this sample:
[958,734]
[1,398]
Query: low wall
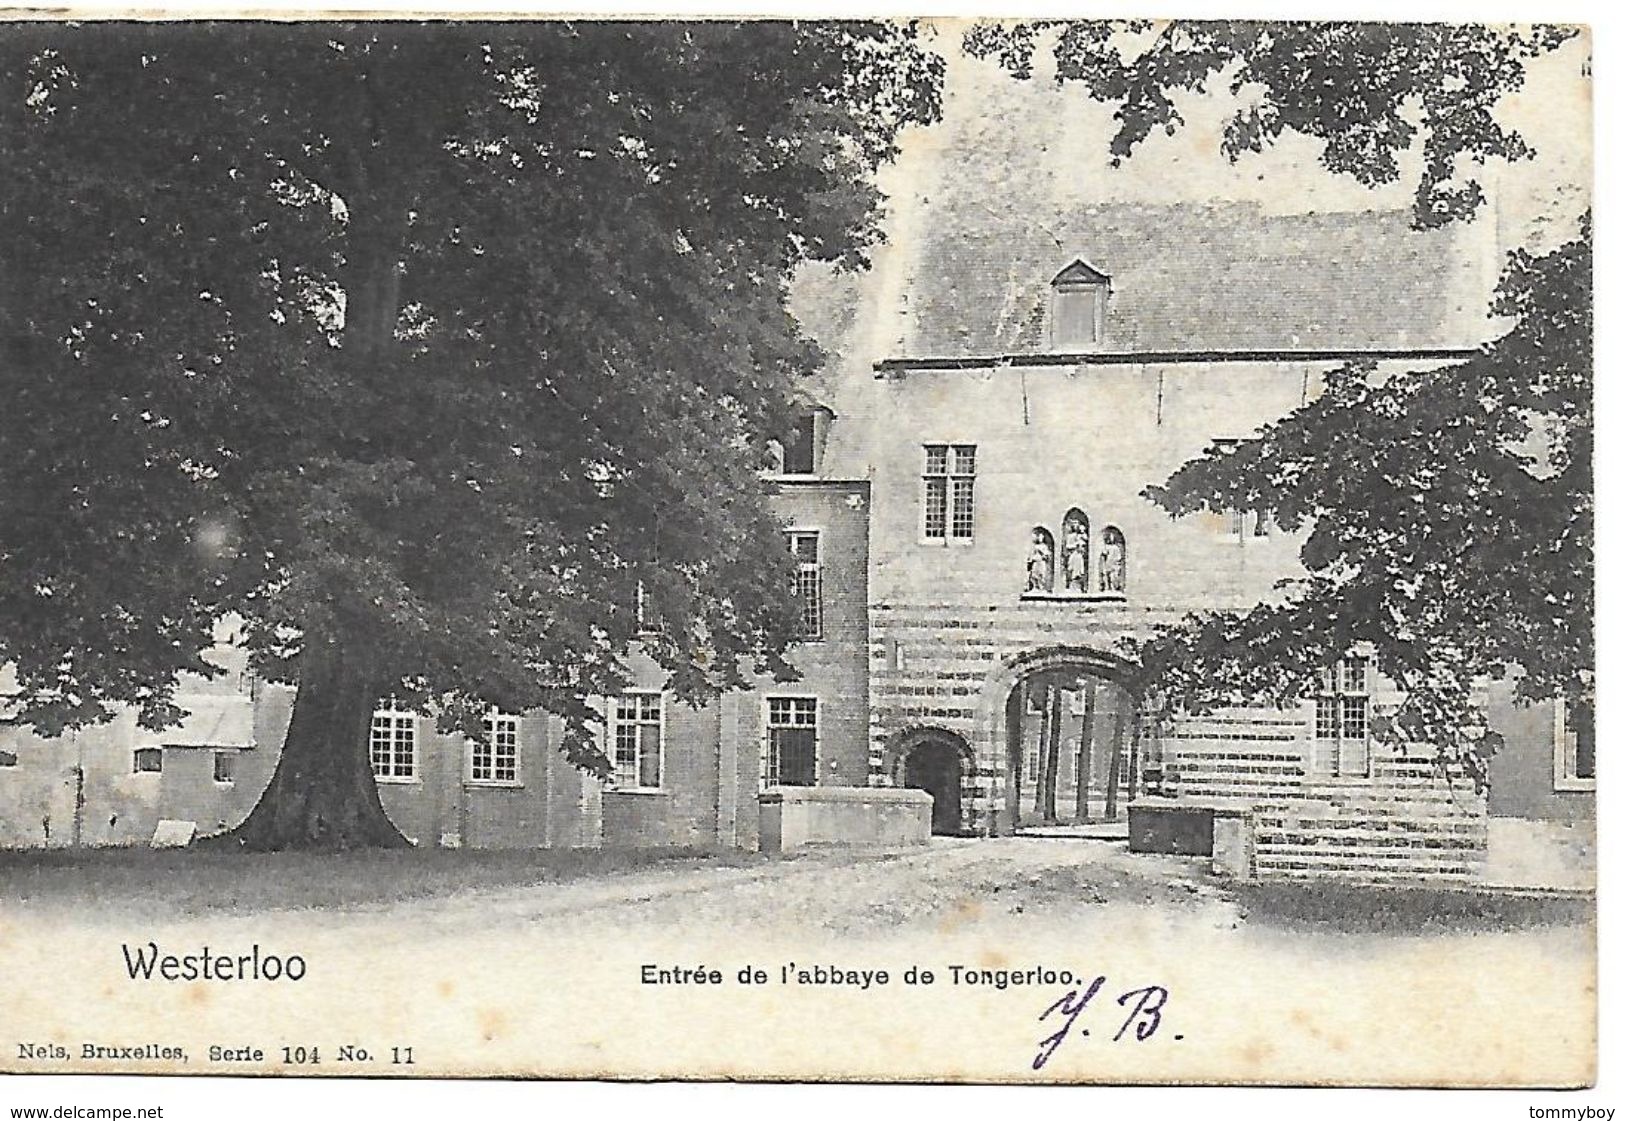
[861,816]
[1403,821]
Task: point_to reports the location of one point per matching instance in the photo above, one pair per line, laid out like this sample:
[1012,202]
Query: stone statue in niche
[1113,560]
[1041,561]
[1075,551]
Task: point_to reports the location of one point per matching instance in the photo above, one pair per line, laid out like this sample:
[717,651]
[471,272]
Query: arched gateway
[1053,738]
[1068,743]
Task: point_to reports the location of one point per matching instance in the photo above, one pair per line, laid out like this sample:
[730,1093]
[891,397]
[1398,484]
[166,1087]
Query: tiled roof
[1212,277]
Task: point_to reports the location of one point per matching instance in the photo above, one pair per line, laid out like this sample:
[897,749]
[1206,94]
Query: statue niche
[1075,550]
[1041,561]
[1113,560]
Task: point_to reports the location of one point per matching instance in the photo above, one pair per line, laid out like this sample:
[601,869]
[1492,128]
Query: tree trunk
[1049,764]
[323,794]
[1113,775]
[1086,748]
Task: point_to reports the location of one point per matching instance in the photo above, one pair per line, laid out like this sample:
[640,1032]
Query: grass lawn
[178,882]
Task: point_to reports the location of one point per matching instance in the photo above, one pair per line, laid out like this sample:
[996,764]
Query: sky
[1538,198]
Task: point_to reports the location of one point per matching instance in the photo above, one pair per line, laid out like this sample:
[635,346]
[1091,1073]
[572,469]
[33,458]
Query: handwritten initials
[1069,1006]
[1148,1012]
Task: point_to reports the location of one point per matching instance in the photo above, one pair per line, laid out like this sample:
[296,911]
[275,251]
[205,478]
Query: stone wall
[856,817]
[1405,819]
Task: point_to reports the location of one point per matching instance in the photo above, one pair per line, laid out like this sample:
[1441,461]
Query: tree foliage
[1449,527]
[1367,92]
[426,343]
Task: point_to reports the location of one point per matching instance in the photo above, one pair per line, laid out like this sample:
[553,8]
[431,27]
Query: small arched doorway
[934,761]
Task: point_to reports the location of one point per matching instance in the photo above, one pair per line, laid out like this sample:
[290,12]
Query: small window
[896,655]
[8,758]
[792,742]
[949,492]
[1078,297]
[636,728]
[1342,740]
[1077,316]
[809,585]
[1247,525]
[646,616]
[800,446]
[148,760]
[225,766]
[394,745]
[1576,743]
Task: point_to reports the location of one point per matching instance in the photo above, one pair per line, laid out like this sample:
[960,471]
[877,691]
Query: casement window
[1342,734]
[792,742]
[148,761]
[948,488]
[393,745]
[809,580]
[225,767]
[496,761]
[647,618]
[636,733]
[1242,525]
[1576,746]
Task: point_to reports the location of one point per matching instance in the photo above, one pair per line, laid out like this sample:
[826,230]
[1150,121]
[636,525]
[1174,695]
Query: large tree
[417,349]
[1447,512]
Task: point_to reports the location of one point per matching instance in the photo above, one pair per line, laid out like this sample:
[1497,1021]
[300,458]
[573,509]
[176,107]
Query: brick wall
[441,806]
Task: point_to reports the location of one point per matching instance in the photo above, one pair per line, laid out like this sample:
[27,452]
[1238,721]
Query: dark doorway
[934,766]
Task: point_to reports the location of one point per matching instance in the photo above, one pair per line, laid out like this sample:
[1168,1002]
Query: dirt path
[949,884]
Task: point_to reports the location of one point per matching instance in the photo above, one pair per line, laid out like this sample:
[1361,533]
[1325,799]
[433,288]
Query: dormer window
[1078,297]
[802,447]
